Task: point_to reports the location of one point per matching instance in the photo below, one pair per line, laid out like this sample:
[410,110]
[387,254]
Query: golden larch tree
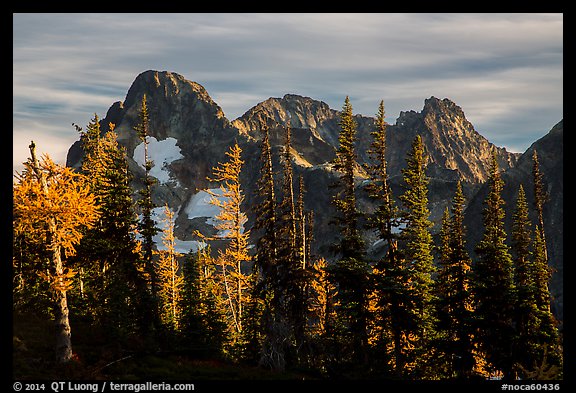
[170,280]
[230,225]
[322,301]
[52,204]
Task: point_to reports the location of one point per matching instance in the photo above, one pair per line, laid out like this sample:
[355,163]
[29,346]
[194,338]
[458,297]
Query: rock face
[178,108]
[455,149]
[452,142]
[190,135]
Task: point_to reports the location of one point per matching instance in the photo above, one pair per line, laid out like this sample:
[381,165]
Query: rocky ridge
[184,117]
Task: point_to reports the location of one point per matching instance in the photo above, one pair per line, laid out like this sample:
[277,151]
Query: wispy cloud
[504,70]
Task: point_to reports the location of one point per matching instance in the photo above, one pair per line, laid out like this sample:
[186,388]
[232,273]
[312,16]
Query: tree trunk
[62,323]
[63,331]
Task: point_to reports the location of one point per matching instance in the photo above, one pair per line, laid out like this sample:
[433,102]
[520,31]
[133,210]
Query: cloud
[49,139]
[504,70]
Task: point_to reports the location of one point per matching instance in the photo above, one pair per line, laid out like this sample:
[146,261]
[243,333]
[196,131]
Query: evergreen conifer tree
[265,210]
[385,217]
[537,341]
[547,345]
[114,288]
[290,285]
[301,277]
[525,309]
[387,272]
[540,198]
[351,271]
[454,296]
[203,325]
[351,245]
[147,226]
[266,263]
[418,261]
[493,282]
[542,348]
[287,242]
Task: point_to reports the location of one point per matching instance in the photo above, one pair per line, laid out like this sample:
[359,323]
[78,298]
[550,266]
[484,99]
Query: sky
[504,70]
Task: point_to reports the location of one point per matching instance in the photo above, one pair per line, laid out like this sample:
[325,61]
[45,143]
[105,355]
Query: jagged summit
[437,105]
[178,109]
[167,84]
[292,109]
[452,142]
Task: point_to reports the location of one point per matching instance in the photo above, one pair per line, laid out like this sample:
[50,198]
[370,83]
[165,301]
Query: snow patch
[180,246]
[200,206]
[377,243]
[399,228]
[162,154]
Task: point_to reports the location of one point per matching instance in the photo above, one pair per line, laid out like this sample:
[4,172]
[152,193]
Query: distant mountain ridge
[451,138]
[195,134]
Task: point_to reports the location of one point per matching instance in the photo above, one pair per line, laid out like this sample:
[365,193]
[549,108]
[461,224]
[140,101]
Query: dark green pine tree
[493,282]
[417,245]
[203,325]
[385,218]
[290,280]
[549,344]
[301,277]
[454,296]
[540,198]
[351,272]
[112,285]
[537,351]
[301,242]
[266,222]
[147,226]
[252,325]
[287,206]
[547,348]
[525,309]
[387,273]
[279,344]
[351,245]
[445,335]
[266,260]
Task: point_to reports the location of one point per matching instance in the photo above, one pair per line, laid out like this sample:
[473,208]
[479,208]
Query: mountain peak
[292,109]
[452,141]
[434,109]
[165,84]
[295,97]
[437,106]
[178,108]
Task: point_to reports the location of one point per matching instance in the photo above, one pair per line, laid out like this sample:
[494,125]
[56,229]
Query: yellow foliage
[322,302]
[62,282]
[234,283]
[66,204]
[169,279]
